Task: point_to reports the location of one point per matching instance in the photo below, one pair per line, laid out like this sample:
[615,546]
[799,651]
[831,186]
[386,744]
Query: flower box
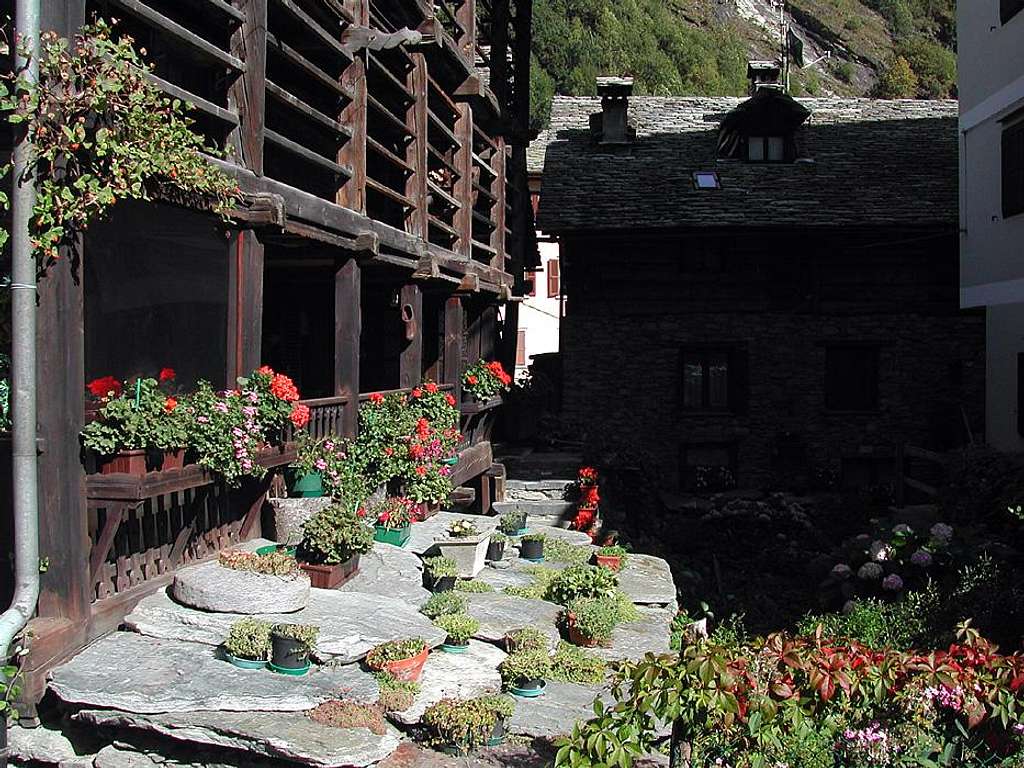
[427,509]
[469,552]
[140,462]
[305,485]
[397,537]
[611,562]
[331,576]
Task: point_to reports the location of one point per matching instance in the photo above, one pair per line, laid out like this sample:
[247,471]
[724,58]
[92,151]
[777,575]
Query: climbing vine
[101,132]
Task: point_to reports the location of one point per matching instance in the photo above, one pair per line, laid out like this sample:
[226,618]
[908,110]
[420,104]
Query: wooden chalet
[381,149]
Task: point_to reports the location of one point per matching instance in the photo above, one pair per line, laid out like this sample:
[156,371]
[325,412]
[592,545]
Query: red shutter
[532,278]
[552,278]
[521,347]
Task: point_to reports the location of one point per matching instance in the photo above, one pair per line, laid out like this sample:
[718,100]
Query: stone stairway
[158,694]
[543,501]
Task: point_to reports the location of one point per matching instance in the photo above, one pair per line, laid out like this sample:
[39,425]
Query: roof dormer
[763,128]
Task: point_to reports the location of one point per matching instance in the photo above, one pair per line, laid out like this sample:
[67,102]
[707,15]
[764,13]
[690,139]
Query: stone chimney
[614,126]
[763,74]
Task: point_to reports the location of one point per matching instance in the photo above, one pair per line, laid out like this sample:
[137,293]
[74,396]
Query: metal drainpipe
[23,361]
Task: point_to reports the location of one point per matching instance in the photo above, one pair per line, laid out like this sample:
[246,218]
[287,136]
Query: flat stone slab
[351,623]
[648,580]
[557,711]
[146,675]
[212,587]
[572,537]
[499,614]
[424,535]
[539,509]
[455,676]
[390,572]
[288,735]
[633,640]
[41,745]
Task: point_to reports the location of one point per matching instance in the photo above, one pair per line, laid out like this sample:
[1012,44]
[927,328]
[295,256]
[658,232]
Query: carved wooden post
[464,185]
[347,332]
[411,362]
[416,153]
[352,193]
[454,340]
[245,304]
[247,94]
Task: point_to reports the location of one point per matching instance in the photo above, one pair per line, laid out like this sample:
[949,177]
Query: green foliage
[459,626]
[333,535]
[559,551]
[439,566]
[5,385]
[337,462]
[525,665]
[10,686]
[273,563]
[141,416]
[511,523]
[473,585]
[394,650]
[307,634]
[534,537]
[582,581]
[444,604]
[395,695]
[595,619]
[933,64]
[538,588]
[526,639]
[574,41]
[465,724]
[572,664]
[112,133]
[485,380]
[249,638]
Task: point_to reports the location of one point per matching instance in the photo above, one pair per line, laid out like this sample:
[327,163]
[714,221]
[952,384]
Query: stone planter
[288,655]
[333,575]
[469,552]
[395,536]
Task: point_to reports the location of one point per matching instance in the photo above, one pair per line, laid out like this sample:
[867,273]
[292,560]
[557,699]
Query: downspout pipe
[23,356]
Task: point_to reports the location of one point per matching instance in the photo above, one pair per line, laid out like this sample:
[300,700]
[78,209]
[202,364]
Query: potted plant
[395,695]
[526,639]
[403,659]
[613,558]
[466,545]
[273,562]
[512,523]
[444,604]
[460,628]
[332,541]
[305,476]
[290,646]
[138,427]
[393,520]
[502,707]
[458,726]
[439,573]
[591,622]
[485,380]
[248,643]
[524,673]
[496,548]
[531,547]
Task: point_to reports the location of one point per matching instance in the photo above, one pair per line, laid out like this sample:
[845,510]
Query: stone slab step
[499,614]
[555,513]
[648,580]
[537,490]
[557,711]
[288,736]
[146,675]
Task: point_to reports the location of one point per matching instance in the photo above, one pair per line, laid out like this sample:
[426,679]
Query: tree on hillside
[897,80]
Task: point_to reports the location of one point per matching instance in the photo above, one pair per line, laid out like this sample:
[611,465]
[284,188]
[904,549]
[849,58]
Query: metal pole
[23,355]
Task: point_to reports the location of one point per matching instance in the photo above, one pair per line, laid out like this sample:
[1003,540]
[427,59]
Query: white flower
[880,551]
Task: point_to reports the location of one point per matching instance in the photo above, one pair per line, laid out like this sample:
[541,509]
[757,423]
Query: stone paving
[168,698]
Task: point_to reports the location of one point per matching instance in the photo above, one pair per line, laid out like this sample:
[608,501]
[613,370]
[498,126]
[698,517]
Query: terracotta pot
[611,562]
[409,669]
[125,462]
[578,638]
[331,576]
[427,509]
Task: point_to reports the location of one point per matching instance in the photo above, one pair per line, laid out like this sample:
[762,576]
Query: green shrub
[933,64]
[582,581]
[395,695]
[537,590]
[559,551]
[249,638]
[896,80]
[440,566]
[473,585]
[534,537]
[444,604]
[459,626]
[512,522]
[334,535]
[464,724]
[572,664]
[525,665]
[845,71]
[594,619]
[526,639]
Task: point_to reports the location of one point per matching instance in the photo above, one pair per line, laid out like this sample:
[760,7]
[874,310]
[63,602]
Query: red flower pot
[408,669]
[578,638]
[125,462]
[331,576]
[426,510]
[611,562]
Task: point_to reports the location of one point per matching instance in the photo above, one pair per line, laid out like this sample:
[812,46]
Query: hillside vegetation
[885,48]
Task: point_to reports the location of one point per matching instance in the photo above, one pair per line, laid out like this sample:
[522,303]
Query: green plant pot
[451,461]
[296,672]
[270,549]
[529,690]
[449,648]
[244,663]
[398,537]
[305,486]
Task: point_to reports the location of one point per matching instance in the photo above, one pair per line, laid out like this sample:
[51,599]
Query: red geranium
[376,398]
[417,393]
[170,404]
[299,415]
[167,374]
[284,388]
[451,399]
[590,496]
[104,386]
[423,428]
[431,387]
[471,379]
[421,470]
[266,370]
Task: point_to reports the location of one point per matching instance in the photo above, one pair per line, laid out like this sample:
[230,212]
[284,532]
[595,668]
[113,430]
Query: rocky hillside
[892,48]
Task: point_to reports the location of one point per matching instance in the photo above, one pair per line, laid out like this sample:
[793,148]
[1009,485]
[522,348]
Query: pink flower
[892,582]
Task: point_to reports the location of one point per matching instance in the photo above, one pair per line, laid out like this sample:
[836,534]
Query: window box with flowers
[139,426]
[484,381]
[332,542]
[393,519]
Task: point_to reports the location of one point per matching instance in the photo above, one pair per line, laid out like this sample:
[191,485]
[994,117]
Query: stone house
[761,289]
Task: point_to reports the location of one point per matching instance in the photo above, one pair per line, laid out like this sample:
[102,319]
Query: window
[521,347]
[1009,8]
[851,378]
[766,149]
[706,180]
[706,379]
[552,278]
[1013,169]
[531,283]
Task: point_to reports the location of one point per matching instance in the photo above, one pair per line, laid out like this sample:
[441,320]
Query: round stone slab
[212,587]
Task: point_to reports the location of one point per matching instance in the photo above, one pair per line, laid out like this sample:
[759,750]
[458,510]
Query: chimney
[763,74]
[615,93]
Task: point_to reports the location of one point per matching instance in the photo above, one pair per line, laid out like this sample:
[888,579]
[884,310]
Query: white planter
[469,553]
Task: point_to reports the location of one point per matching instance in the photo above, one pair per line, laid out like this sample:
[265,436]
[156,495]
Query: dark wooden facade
[381,149]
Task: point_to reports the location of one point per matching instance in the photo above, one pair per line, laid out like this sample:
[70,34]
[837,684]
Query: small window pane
[718,381]
[776,149]
[851,378]
[755,149]
[693,384]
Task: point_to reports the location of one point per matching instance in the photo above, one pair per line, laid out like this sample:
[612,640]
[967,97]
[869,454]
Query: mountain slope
[700,47]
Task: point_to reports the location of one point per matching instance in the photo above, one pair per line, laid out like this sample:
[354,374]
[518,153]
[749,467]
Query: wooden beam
[352,193]
[498,190]
[246,96]
[470,284]
[245,305]
[464,184]
[357,38]
[465,16]
[347,333]
[499,52]
[416,152]
[411,361]
[454,339]
[473,462]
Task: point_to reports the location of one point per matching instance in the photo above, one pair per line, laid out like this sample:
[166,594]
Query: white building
[540,313]
[990,36]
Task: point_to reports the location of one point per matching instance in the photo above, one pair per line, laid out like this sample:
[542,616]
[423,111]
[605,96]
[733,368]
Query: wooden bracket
[427,268]
[470,283]
[357,38]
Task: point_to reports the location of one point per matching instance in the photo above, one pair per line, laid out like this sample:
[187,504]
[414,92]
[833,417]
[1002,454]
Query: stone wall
[623,383]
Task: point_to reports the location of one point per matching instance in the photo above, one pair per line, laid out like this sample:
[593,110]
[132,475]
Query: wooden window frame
[736,378]
[1012,166]
[521,347]
[554,279]
[787,152]
[531,277]
[868,347]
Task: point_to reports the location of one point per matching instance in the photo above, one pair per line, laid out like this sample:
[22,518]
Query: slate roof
[874,162]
